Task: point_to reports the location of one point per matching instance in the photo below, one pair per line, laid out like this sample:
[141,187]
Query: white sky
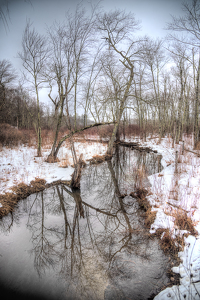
[153,13]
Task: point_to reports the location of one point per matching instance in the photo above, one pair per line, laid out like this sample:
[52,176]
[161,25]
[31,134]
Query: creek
[87,244]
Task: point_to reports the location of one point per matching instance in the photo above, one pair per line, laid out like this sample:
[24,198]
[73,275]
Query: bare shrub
[9,135]
[104,131]
[29,136]
[133,130]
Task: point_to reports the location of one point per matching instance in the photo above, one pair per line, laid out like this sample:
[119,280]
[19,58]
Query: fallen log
[198,154]
[135,146]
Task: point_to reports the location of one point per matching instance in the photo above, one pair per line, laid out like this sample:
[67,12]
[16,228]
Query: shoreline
[169,193]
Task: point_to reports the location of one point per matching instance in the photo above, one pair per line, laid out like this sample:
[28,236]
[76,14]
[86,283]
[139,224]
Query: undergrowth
[9,135]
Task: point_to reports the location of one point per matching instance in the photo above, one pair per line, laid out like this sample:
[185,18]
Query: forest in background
[96,69]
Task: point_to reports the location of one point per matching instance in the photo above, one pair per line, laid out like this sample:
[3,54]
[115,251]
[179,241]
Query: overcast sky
[153,13]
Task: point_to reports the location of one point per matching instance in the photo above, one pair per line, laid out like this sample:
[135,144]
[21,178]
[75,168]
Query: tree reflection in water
[94,240]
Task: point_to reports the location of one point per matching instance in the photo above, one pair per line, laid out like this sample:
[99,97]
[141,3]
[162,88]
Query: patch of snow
[21,164]
[170,191]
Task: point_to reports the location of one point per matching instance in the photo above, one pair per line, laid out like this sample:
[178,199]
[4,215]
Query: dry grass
[197,147]
[103,132]
[97,159]
[20,191]
[183,222]
[9,135]
[150,217]
[140,194]
[23,190]
[168,244]
[64,163]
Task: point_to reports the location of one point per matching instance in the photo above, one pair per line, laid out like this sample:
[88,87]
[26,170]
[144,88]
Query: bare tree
[89,84]
[81,34]
[70,47]
[7,76]
[34,55]
[60,72]
[117,27]
[190,24]
[153,56]
[181,59]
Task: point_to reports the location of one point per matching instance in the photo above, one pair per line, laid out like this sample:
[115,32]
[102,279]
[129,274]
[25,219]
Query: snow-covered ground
[168,191]
[171,190]
[20,164]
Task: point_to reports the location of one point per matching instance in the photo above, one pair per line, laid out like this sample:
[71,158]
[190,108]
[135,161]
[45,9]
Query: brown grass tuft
[64,163]
[97,159]
[8,201]
[20,191]
[52,159]
[183,222]
[197,146]
[38,185]
[150,217]
[169,244]
[140,194]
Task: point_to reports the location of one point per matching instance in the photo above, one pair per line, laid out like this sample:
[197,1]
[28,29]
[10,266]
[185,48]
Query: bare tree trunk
[180,103]
[196,112]
[52,157]
[74,132]
[76,176]
[111,142]
[39,137]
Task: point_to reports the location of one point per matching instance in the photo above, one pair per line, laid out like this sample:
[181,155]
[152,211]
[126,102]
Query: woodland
[106,85]
[96,69]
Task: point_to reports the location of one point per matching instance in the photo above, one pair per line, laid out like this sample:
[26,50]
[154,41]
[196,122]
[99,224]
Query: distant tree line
[18,108]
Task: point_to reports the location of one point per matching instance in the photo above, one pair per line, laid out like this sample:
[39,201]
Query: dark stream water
[64,244]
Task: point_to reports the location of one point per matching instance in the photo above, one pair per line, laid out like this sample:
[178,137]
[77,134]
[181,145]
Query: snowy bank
[172,192]
[20,164]
[169,192]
